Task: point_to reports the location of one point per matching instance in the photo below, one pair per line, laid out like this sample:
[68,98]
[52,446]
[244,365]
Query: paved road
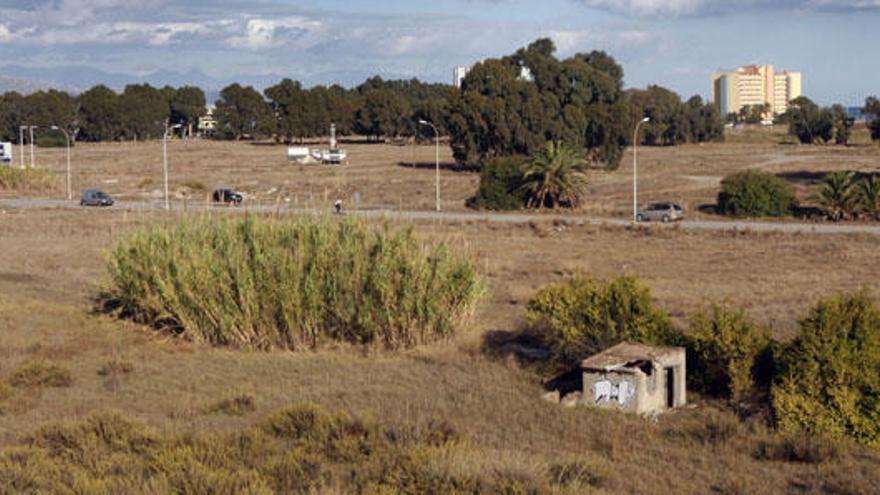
[739,225]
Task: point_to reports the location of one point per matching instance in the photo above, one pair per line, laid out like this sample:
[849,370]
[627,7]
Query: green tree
[515,104]
[808,122]
[145,112]
[872,110]
[100,115]
[868,196]
[11,115]
[554,176]
[242,112]
[188,104]
[384,113]
[705,122]
[843,124]
[49,108]
[837,194]
[501,181]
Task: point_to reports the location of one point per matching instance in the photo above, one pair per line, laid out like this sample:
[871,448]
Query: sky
[674,43]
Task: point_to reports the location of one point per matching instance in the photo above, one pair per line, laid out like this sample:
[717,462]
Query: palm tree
[554,176]
[837,194]
[868,195]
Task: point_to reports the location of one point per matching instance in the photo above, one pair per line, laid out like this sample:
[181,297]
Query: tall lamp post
[21,129]
[635,168]
[66,136]
[33,163]
[436,161]
[165,160]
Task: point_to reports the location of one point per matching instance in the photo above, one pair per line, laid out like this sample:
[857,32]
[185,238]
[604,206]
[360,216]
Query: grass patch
[115,368]
[234,406]
[40,374]
[29,179]
[799,447]
[303,449]
[292,284]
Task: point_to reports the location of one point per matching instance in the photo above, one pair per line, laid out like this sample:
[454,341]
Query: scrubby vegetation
[829,376]
[292,284]
[40,374]
[301,449]
[28,179]
[755,193]
[725,351]
[501,181]
[583,316]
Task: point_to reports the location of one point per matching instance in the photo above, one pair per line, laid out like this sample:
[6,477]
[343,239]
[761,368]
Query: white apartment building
[755,85]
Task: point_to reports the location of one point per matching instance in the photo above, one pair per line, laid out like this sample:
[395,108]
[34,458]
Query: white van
[5,152]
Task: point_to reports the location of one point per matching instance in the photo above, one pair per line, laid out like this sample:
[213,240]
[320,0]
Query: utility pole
[437,162]
[33,162]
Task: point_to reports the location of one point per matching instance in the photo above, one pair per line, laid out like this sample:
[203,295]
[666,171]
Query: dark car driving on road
[95,197]
[226,196]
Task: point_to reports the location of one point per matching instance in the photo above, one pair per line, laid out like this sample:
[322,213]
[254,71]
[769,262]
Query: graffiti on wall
[605,391]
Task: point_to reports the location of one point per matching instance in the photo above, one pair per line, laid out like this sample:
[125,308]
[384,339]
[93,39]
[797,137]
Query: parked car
[95,197]
[664,212]
[226,196]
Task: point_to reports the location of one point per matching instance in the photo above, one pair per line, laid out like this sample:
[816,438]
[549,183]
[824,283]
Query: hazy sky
[675,43]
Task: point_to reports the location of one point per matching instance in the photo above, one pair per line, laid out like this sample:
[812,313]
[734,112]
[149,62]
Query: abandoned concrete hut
[635,378]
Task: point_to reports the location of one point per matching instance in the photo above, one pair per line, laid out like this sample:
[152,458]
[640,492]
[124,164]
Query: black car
[226,196]
[95,197]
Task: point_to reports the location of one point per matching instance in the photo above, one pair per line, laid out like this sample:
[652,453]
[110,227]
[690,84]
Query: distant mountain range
[75,79]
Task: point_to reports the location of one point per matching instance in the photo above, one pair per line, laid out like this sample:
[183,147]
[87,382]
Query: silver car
[664,212]
[95,197]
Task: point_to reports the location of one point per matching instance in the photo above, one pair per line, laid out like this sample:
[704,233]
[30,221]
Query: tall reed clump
[292,284]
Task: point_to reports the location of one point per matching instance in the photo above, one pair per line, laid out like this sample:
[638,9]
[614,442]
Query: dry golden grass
[384,177]
[51,261]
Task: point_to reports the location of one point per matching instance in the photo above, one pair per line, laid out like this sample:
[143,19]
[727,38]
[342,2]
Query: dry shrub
[116,367]
[40,374]
[799,447]
[580,472]
[292,284]
[708,427]
[302,449]
[5,391]
[234,406]
[28,179]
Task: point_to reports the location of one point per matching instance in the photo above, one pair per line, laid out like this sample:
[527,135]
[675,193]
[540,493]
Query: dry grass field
[384,176]
[51,262]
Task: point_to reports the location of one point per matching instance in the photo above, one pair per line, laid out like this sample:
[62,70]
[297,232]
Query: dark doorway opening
[669,374]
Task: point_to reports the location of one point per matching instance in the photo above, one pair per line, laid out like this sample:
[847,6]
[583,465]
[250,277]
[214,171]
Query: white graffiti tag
[604,390]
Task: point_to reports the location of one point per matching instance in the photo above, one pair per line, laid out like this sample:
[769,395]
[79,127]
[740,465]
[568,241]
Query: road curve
[737,225]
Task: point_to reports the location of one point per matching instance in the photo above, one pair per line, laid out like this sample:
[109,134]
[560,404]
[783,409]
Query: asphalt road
[736,225]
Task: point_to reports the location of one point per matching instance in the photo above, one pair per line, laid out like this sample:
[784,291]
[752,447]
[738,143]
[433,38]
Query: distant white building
[207,124]
[458,75]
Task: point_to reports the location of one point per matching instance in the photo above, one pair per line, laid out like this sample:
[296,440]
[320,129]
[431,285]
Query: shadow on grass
[814,178]
[811,213]
[452,167]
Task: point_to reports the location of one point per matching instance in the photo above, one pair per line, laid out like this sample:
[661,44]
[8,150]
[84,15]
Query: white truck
[5,152]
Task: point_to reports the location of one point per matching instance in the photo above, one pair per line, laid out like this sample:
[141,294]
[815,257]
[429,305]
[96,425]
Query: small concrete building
[635,378]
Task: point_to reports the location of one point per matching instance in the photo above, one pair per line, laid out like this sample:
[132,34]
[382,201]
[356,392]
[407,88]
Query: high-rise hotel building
[755,85]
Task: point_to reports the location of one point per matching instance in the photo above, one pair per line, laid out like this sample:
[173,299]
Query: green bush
[584,316]
[291,284]
[755,193]
[829,376]
[724,352]
[501,181]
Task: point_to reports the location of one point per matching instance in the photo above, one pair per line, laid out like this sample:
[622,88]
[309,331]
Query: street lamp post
[165,160]
[635,168]
[436,161]
[33,163]
[66,136]
[21,129]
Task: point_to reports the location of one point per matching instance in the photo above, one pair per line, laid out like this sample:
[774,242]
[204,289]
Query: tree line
[811,123]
